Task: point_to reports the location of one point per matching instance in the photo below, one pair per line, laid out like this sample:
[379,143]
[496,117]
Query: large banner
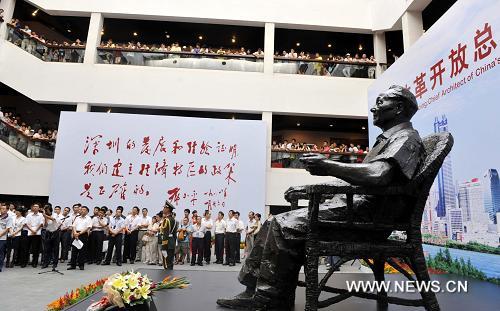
[454,71]
[123,159]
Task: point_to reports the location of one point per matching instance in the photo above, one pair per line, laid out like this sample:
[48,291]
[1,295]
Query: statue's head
[394,106]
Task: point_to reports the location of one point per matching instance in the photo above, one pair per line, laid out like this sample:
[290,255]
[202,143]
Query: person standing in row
[249,237]
[19,239]
[168,234]
[99,226]
[67,221]
[151,244]
[81,228]
[5,228]
[34,224]
[144,223]
[208,223]
[183,236]
[240,226]
[131,235]
[197,246]
[220,230]
[115,235]
[51,239]
[231,239]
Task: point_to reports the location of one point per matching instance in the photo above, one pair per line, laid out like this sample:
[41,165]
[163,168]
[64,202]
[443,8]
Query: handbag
[181,235]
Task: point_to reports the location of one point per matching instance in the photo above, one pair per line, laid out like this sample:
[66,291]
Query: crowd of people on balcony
[293,145]
[28,139]
[48,50]
[203,49]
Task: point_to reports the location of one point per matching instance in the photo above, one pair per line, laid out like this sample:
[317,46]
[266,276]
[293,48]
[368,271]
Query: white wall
[21,175]
[340,14]
[192,89]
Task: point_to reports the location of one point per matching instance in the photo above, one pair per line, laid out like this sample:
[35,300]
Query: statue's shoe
[248,301]
[242,301]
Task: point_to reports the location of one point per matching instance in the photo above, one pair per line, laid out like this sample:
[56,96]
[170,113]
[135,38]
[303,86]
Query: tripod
[53,270]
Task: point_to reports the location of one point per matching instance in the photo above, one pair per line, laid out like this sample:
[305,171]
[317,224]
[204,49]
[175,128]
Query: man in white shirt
[240,226]
[115,233]
[231,239]
[198,235]
[18,241]
[132,223]
[81,228]
[99,226]
[66,223]
[34,224]
[5,227]
[52,224]
[220,230]
[208,223]
[144,222]
[249,234]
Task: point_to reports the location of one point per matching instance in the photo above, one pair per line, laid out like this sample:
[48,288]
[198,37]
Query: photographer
[51,238]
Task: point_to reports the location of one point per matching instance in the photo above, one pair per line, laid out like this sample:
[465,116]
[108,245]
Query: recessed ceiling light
[69,30]
[168,36]
[331,125]
[200,37]
[298,124]
[363,128]
[329,45]
[135,34]
[233,40]
[109,110]
[297,44]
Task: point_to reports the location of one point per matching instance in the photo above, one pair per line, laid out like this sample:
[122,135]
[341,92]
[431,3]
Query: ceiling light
[69,30]
[35,12]
[168,36]
[135,34]
[298,124]
[297,44]
[109,110]
[200,37]
[329,45]
[331,125]
[363,128]
[233,40]
[360,47]
[233,118]
[389,50]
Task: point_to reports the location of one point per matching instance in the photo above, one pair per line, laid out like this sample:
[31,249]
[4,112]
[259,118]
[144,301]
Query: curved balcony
[26,144]
[43,50]
[211,61]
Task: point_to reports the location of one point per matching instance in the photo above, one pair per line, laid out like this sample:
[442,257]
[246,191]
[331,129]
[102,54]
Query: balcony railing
[317,67]
[26,144]
[43,50]
[291,158]
[171,59]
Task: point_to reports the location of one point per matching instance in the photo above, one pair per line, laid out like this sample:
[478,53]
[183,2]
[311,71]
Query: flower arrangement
[130,289]
[75,296]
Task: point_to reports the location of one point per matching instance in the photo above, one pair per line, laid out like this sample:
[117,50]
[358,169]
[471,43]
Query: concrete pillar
[379,51]
[268,48]
[413,28]
[93,38]
[267,117]
[8,11]
[82,107]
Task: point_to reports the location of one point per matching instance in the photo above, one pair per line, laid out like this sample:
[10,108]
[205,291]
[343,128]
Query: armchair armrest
[332,189]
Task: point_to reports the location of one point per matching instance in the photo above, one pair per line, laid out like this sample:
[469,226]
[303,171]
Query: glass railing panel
[325,68]
[209,61]
[291,158]
[45,51]
[25,143]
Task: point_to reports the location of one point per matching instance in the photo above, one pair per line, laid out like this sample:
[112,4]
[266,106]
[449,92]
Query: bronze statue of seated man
[271,271]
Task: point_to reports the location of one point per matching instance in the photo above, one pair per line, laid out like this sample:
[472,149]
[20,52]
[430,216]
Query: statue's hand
[314,163]
[290,192]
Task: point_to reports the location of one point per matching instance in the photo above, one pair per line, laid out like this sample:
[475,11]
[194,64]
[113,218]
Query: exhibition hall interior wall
[454,71]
